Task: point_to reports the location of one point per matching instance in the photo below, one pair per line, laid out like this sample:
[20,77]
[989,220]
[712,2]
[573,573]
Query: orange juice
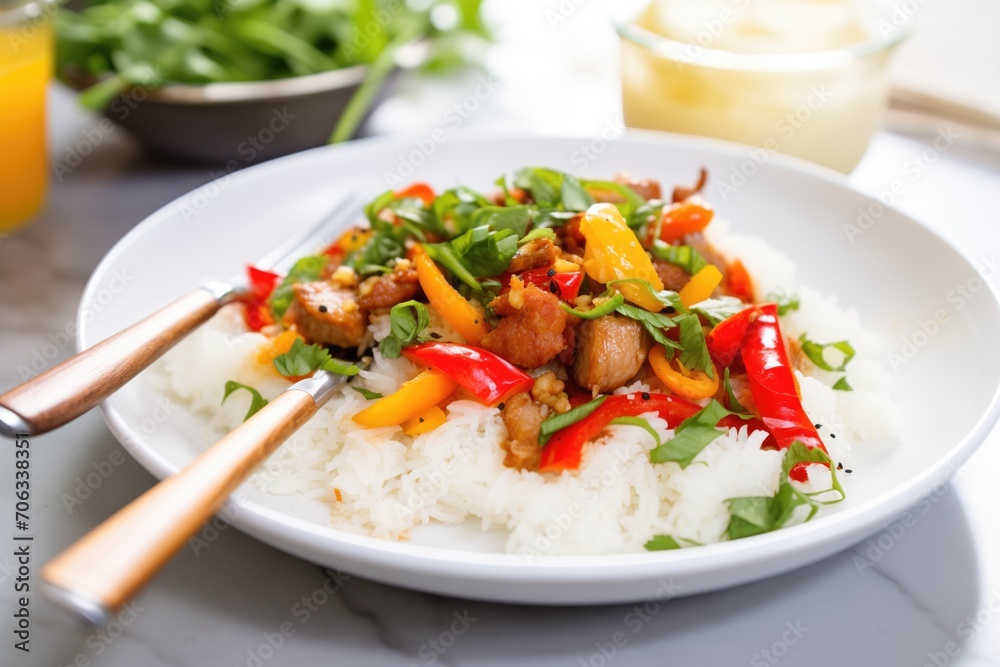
[25,69]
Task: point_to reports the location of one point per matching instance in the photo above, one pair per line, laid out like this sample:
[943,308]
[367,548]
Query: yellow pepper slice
[353,239]
[613,252]
[413,398]
[425,421]
[701,285]
[446,300]
[277,346]
[693,385]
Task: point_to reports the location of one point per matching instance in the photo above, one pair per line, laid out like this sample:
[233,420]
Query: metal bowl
[237,123]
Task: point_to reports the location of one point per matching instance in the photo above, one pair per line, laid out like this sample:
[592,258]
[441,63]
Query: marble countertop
[927,593]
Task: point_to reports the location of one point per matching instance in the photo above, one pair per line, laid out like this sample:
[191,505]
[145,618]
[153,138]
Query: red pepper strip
[566,286]
[565,449]
[262,283]
[489,377]
[800,471]
[772,383]
[258,312]
[418,191]
[738,282]
[725,340]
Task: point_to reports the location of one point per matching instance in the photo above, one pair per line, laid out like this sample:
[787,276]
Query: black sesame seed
[322,309]
[645,396]
[833,435]
[550,273]
[476,321]
[435,334]
[421,420]
[501,406]
[818,425]
[848,471]
[553,287]
[840,466]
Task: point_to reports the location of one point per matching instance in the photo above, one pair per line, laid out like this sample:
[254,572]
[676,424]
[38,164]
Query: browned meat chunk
[609,351]
[534,254]
[387,290]
[522,417]
[644,187]
[674,277]
[682,192]
[326,314]
[530,332]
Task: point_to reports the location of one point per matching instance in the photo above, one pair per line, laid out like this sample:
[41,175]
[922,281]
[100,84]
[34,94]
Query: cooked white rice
[391,483]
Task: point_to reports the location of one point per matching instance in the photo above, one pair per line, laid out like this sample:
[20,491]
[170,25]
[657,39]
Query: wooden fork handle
[109,565]
[66,391]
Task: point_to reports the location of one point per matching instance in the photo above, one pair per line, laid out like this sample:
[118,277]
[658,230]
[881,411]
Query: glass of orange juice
[25,70]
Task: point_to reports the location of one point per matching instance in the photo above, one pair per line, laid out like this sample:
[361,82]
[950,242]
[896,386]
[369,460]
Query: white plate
[897,274]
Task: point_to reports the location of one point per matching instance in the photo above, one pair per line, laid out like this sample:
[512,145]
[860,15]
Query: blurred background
[110,110]
[188,82]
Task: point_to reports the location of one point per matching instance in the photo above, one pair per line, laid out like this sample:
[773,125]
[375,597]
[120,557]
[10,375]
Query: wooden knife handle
[66,391]
[109,565]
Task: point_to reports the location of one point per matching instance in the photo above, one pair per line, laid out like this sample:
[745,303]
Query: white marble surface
[924,593]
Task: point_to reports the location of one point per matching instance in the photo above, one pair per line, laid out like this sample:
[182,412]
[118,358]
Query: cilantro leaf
[654,323]
[498,218]
[734,403]
[693,435]
[574,197]
[407,322]
[694,350]
[785,302]
[641,423]
[370,395]
[302,359]
[455,208]
[818,353]
[662,543]
[843,385]
[751,515]
[305,270]
[717,310]
[256,400]
[477,253]
[685,256]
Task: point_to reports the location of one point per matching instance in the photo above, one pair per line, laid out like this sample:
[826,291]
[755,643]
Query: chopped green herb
[537,233]
[601,310]
[256,400]
[370,395]
[694,350]
[785,302]
[306,270]
[654,323]
[574,197]
[497,218]
[302,359]
[407,322]
[477,253]
[641,423]
[692,435]
[828,356]
[561,421]
[717,310]
[734,403]
[842,385]
[685,256]
[662,543]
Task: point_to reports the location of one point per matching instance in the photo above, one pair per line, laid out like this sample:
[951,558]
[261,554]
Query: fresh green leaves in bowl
[115,44]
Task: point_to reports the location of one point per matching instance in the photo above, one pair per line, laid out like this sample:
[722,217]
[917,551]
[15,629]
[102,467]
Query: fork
[106,568]
[66,391]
